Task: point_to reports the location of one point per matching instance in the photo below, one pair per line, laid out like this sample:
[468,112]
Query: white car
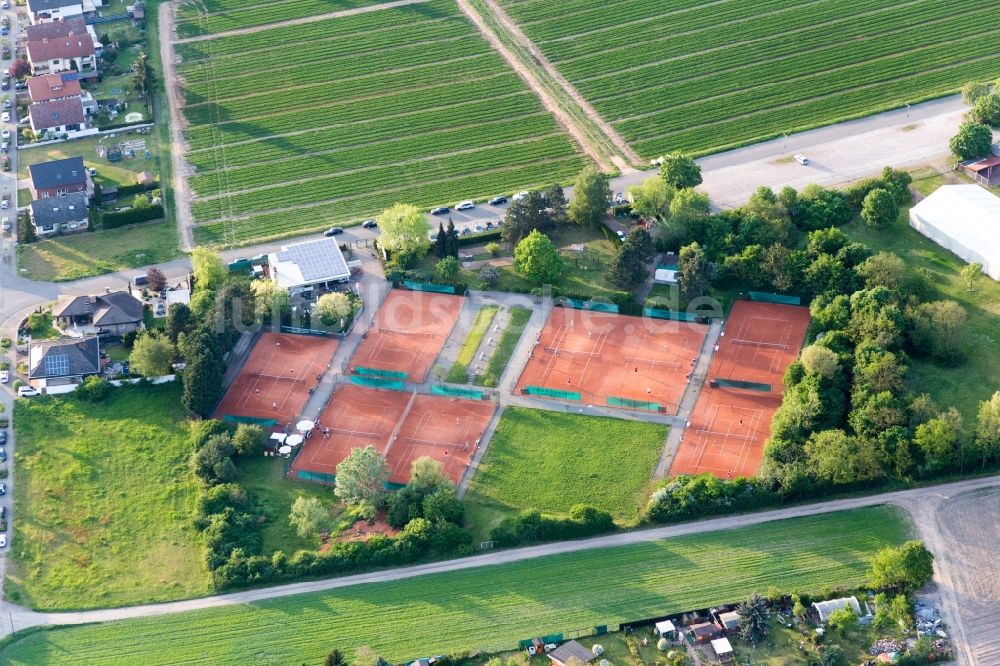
[4,376]
[802,159]
[621,234]
[519,195]
[465,205]
[5,203]
[5,224]
[3,540]
[5,133]
[5,116]
[25,392]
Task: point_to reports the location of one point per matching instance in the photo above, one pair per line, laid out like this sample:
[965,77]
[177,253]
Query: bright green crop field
[699,76]
[550,461]
[492,607]
[103,502]
[397,105]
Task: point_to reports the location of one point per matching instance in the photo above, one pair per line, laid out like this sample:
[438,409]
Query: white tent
[964,219]
[722,647]
[824,608]
[665,627]
[665,276]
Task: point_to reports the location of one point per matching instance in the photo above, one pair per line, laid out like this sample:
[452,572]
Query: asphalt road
[21,618]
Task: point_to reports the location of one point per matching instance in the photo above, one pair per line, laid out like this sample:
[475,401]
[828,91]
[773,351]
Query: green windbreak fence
[551,638]
[765,297]
[579,304]
[322,477]
[305,331]
[740,384]
[378,372]
[426,286]
[458,392]
[377,382]
[551,393]
[669,314]
[255,420]
[629,403]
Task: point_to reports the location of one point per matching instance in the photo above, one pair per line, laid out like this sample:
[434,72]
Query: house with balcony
[57,117]
[63,28]
[49,11]
[59,178]
[68,50]
[59,215]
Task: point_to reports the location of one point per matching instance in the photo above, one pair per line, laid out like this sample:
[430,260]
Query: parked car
[498,201]
[5,203]
[6,4]
[5,133]
[25,392]
[20,85]
[466,231]
[333,231]
[621,234]
[3,453]
[141,280]
[3,540]
[4,85]
[369,224]
[479,228]
[802,159]
[489,225]
[440,210]
[3,488]
[5,147]
[161,309]
[465,205]
[519,195]
[5,223]
[3,437]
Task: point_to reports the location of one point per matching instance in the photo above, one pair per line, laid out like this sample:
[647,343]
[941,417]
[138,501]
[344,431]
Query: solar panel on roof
[57,364]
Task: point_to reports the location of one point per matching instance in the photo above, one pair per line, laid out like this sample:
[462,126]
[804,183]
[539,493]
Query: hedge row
[131,216]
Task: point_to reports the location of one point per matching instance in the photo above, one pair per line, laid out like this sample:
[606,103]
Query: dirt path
[182,194]
[300,21]
[515,30]
[532,82]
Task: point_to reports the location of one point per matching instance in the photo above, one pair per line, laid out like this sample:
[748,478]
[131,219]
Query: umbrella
[285,450]
[278,437]
[293,440]
[305,425]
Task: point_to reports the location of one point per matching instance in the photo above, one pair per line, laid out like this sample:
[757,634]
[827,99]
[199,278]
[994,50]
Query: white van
[25,391]
[802,159]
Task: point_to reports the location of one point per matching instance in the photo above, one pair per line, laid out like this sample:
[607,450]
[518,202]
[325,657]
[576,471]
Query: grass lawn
[104,498]
[23,197]
[976,380]
[492,607]
[505,347]
[264,478]
[116,352]
[98,252]
[459,371]
[40,326]
[152,322]
[108,173]
[549,461]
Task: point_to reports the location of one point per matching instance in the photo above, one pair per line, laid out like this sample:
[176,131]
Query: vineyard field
[492,607]
[700,76]
[363,116]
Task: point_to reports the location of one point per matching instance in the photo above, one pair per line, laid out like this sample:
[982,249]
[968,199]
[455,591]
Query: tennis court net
[397,331]
[458,446]
[759,343]
[355,433]
[295,379]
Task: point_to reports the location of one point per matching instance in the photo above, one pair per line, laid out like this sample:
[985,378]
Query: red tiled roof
[54,29]
[57,112]
[53,86]
[72,45]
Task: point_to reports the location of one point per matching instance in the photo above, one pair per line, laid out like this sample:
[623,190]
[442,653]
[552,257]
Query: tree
[361,477]
[441,240]
[971,274]
[332,307]
[403,227]
[447,268]
[451,247]
[835,456]
[688,212]
[938,329]
[152,354]
[308,515]
[270,299]
[335,658]
[556,206]
[884,269]
[493,249]
[427,475]
[628,268]
[443,506]
[842,620]
[489,275]
[207,268]
[25,230]
[973,91]
[694,272]
[211,463]
[972,140]
[651,197]
[249,439]
[988,428]
[537,259]
[906,568]
[93,389]
[524,216]
[986,110]
[591,193]
[142,74]
[156,280]
[20,68]
[833,655]
[821,360]
[680,171]
[879,209]
[203,373]
[753,618]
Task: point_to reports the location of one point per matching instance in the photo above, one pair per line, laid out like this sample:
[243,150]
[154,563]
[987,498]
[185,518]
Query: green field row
[356,208]
[192,22]
[491,608]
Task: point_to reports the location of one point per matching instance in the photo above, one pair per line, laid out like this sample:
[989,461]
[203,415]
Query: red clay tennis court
[408,333]
[447,429]
[602,356]
[274,382]
[356,417]
[726,433]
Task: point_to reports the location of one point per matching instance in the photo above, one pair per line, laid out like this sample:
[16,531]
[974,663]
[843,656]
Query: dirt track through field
[300,21]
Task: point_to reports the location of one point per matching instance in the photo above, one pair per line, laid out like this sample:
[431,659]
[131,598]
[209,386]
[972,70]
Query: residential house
[116,312]
[57,117]
[730,622]
[59,178]
[704,632]
[59,215]
[66,27]
[562,654]
[60,362]
[49,87]
[62,48]
[45,11]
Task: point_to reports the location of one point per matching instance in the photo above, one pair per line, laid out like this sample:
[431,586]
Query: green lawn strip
[966,385]
[459,372]
[505,347]
[108,173]
[493,607]
[94,253]
[550,461]
[104,498]
[264,478]
[42,328]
